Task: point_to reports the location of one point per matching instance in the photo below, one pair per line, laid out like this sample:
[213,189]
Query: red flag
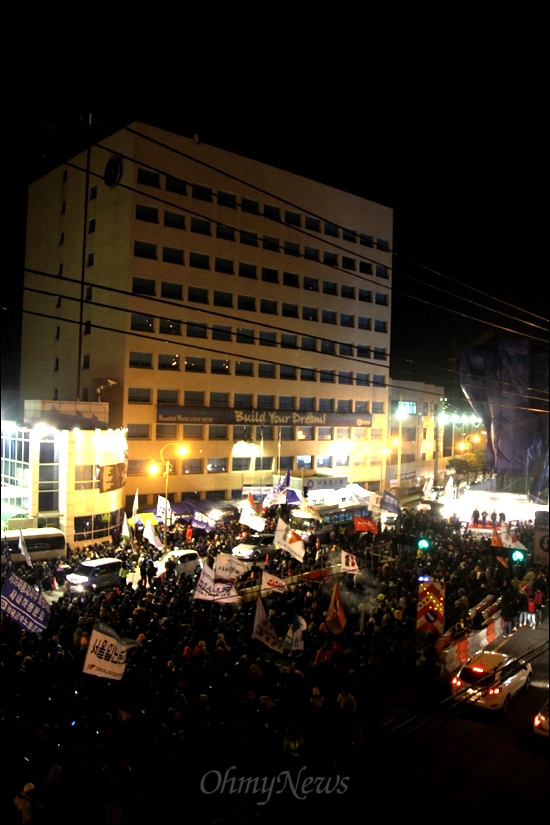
[363,525]
[336,618]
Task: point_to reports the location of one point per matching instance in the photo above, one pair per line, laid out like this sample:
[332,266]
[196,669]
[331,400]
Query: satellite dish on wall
[113,171]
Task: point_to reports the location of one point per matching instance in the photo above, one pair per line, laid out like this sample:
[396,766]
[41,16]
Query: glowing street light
[154,470]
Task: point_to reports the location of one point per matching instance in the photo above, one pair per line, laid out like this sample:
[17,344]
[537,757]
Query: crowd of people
[200,692]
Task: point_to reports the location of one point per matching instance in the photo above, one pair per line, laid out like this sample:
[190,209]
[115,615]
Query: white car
[490,679]
[256,547]
[188,562]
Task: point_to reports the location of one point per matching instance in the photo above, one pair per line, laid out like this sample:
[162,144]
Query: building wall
[81,245]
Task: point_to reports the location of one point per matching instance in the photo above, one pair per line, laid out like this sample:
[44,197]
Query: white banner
[228,566]
[210,590]
[106,652]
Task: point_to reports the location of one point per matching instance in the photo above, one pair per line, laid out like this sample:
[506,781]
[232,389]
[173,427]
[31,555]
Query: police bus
[328,518]
[42,543]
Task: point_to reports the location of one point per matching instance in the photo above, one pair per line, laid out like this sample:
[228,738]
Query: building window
[245,336]
[361,379]
[266,402]
[195,364]
[87,327]
[149,214]
[143,286]
[199,261]
[223,265]
[142,323]
[361,407]
[247,271]
[326,376]
[244,368]
[378,408]
[365,295]
[192,431]
[346,349]
[378,381]
[246,303]
[381,299]
[287,372]
[382,244]
[248,238]
[168,327]
[272,212]
[225,232]
[171,291]
[193,398]
[313,224]
[328,347]
[266,371]
[146,177]
[268,307]
[365,268]
[137,431]
[268,339]
[169,362]
[289,341]
[195,330]
[91,226]
[174,220]
[176,185]
[201,193]
[216,465]
[221,333]
[379,354]
[270,276]
[270,243]
[349,235]
[364,352]
[141,360]
[365,240]
[348,263]
[311,253]
[227,199]
[307,375]
[93,193]
[345,377]
[290,310]
[243,400]
[167,396]
[324,433]
[291,248]
[223,299]
[170,255]
[286,433]
[330,288]
[363,323]
[291,279]
[347,291]
[293,218]
[219,366]
[329,317]
[331,229]
[309,343]
[309,313]
[166,432]
[330,259]
[145,250]
[217,432]
[200,226]
[346,320]
[381,271]
[249,205]
[219,399]
[197,294]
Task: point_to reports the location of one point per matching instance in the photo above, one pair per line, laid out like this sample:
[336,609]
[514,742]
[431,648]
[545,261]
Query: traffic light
[518,555]
[423,543]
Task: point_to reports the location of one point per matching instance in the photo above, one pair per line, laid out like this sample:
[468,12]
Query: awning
[142,518]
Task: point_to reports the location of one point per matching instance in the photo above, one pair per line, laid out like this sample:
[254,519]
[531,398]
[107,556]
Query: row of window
[224,432]
[201,295]
[148,177]
[249,401]
[220,366]
[141,322]
[199,260]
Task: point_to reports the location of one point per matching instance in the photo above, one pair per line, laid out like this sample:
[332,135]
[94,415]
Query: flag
[430,613]
[263,630]
[496,541]
[390,503]
[428,487]
[364,525]
[106,652]
[125,531]
[293,544]
[212,590]
[294,639]
[252,503]
[135,505]
[279,494]
[511,540]
[336,618]
[150,535]
[292,496]
[348,563]
[273,583]
[250,517]
[23,548]
[164,511]
[227,566]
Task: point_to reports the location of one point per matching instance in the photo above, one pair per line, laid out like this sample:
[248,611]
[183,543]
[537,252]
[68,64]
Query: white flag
[135,506]
[293,543]
[272,583]
[294,639]
[106,652]
[23,548]
[164,511]
[348,563]
[228,566]
[150,535]
[263,630]
[211,590]
[125,531]
[251,518]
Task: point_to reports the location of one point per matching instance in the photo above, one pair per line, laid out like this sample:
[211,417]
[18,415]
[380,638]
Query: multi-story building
[214,301]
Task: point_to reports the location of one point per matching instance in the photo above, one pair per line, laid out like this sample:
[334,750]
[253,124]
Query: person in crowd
[24,802]
[475,518]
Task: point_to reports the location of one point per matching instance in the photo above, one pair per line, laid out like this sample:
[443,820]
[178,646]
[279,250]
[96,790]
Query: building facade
[213,301]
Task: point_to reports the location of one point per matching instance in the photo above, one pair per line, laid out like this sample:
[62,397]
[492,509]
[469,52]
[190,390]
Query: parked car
[490,680]
[256,546]
[188,562]
[540,722]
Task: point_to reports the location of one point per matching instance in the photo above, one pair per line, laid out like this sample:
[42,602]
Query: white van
[94,575]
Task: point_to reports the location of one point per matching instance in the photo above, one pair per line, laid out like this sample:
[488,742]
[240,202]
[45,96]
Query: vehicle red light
[537,721]
[494,691]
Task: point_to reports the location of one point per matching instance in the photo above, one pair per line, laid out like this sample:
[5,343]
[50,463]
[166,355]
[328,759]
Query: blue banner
[390,502]
[25,605]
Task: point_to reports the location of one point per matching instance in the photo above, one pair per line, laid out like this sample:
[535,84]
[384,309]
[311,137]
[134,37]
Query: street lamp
[465,445]
[154,470]
[386,451]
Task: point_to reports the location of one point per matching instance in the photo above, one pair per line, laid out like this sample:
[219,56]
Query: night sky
[459,169]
